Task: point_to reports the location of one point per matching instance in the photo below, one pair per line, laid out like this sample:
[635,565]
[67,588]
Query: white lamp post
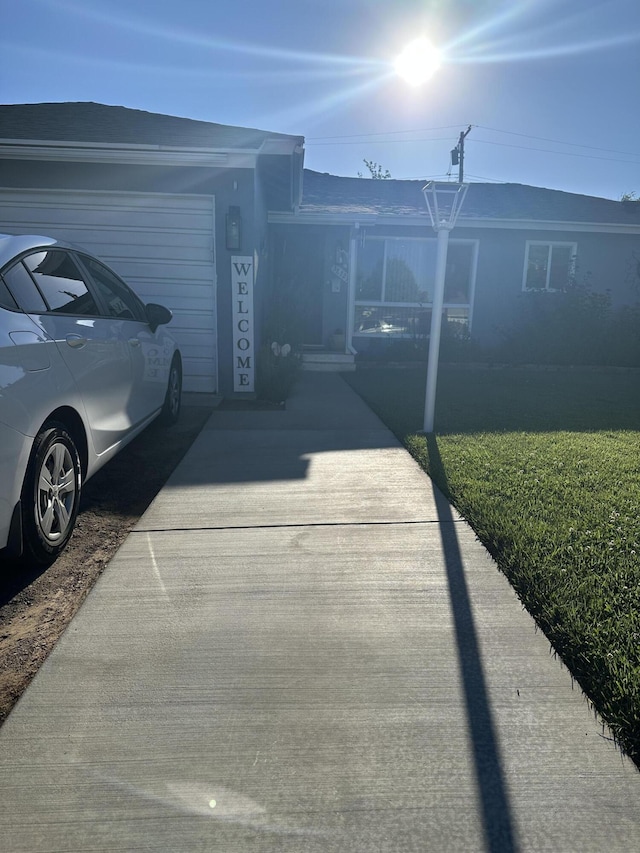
[444,201]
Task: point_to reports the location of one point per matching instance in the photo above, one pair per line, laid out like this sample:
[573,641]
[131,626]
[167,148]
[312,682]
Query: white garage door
[162,245]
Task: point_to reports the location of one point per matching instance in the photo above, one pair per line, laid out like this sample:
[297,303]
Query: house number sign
[243,331]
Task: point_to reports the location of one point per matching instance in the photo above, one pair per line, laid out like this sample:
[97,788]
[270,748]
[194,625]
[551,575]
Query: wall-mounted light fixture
[233,229]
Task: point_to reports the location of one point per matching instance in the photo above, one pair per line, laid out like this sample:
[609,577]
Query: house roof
[77,122]
[327,195]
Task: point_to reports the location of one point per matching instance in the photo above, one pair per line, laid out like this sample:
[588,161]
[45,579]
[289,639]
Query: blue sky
[550,87]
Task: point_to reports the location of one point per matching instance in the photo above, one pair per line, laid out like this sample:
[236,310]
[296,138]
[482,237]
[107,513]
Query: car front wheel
[173,399]
[51,494]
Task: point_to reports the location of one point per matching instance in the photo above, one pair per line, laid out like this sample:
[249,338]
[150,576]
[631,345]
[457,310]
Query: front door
[299,280]
[311,261]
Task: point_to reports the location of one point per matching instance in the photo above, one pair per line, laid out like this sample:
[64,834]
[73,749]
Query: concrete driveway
[302,647]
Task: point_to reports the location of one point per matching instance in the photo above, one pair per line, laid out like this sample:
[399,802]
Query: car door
[149,361]
[89,343]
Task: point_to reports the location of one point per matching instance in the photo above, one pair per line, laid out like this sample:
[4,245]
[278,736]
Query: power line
[490,142]
[390,137]
[423,177]
[556,141]
[490,180]
[368,139]
[561,153]
[380,141]
[448,175]
[385,133]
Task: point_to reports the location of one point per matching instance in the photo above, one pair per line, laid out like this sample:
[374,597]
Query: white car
[84,367]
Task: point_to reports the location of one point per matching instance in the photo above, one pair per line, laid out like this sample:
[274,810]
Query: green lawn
[545,465]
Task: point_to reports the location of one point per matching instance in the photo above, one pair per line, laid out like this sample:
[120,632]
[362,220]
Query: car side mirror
[157,315]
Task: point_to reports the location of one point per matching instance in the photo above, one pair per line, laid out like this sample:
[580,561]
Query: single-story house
[363,253]
[225,226]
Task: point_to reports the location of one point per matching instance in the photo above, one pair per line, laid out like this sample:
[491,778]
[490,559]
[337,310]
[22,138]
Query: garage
[161,244]
[167,201]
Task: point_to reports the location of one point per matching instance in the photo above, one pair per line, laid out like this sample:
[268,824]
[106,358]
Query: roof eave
[116,152]
[277,145]
[418,220]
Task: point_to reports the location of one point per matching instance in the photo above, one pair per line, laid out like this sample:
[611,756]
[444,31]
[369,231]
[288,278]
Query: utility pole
[457,154]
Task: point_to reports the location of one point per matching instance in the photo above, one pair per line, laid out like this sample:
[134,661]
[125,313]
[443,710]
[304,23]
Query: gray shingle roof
[329,194]
[325,194]
[99,123]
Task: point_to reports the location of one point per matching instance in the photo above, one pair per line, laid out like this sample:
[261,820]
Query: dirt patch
[36,607]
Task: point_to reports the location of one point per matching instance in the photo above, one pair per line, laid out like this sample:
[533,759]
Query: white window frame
[453,305]
[550,244]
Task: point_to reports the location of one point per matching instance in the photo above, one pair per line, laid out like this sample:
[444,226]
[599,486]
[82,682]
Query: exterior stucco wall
[498,283]
[605,261]
[608,262]
[335,288]
[261,255]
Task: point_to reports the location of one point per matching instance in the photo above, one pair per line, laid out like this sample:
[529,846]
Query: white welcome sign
[242,312]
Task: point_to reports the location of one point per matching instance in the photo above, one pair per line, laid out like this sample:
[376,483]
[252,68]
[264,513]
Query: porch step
[324,360]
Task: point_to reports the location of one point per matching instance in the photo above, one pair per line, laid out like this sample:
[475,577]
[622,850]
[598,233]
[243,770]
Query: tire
[51,494]
[170,412]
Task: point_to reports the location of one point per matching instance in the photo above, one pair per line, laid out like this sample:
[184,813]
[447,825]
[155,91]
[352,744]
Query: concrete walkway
[301,647]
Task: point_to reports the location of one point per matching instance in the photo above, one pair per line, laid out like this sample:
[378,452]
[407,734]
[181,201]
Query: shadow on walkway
[494,800]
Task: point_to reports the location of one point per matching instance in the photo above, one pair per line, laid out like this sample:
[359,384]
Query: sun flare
[418,62]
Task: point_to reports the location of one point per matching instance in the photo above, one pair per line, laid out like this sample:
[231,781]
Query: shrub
[623,339]
[387,350]
[573,327]
[280,356]
[457,346]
